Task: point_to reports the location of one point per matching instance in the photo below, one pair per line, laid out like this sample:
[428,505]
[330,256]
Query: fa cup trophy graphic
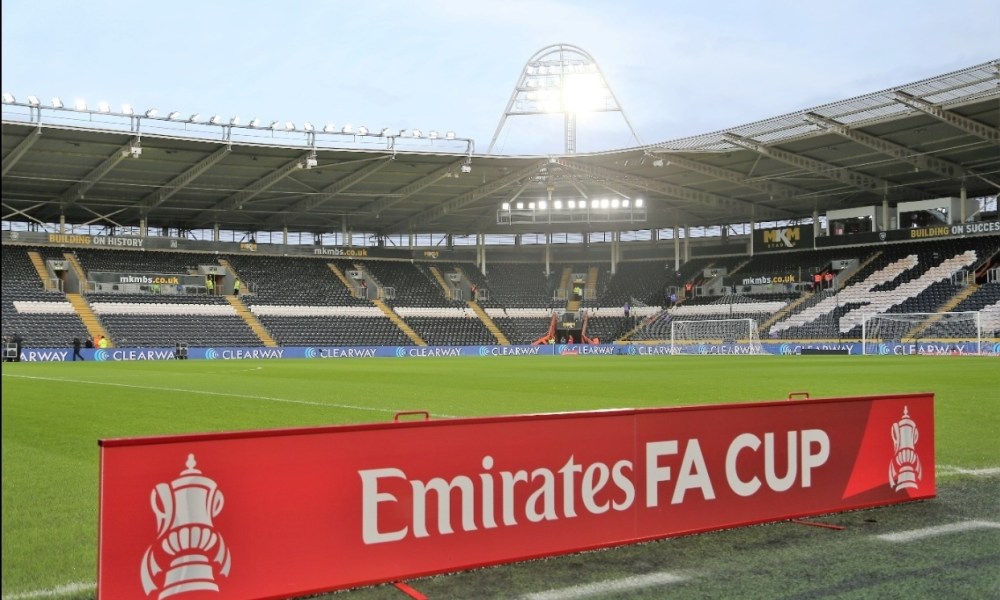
[905,469]
[186,541]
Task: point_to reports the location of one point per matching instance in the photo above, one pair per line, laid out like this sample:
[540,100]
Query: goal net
[715,336]
[922,332]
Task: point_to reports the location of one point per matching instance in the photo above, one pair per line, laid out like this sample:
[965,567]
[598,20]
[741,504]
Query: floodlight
[151,113]
[307,126]
[289,126]
[403,133]
[505,206]
[557,205]
[542,205]
[658,162]
[174,115]
[194,118]
[624,203]
[57,103]
[347,129]
[275,124]
[432,134]
[80,104]
[595,203]
[255,122]
[215,120]
[417,133]
[614,202]
[385,132]
[126,108]
[311,160]
[520,206]
[604,203]
[466,168]
[450,135]
[329,128]
[362,130]
[34,101]
[571,204]
[8,98]
[234,121]
[638,202]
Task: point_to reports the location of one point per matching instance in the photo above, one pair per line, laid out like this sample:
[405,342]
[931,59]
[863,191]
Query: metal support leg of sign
[409,591]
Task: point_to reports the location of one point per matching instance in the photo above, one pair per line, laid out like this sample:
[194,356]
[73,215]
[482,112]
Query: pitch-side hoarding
[269,514]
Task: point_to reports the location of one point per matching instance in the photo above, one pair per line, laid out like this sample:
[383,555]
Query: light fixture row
[592,204]
[255,123]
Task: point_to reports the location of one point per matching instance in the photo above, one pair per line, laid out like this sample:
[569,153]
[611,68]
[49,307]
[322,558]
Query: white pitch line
[601,588]
[985,472]
[926,532]
[223,394]
[61,590]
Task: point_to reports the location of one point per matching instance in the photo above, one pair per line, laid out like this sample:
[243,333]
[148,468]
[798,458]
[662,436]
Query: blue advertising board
[324,352]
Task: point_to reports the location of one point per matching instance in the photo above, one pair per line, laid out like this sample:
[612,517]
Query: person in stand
[89,343]
[673,299]
[76,349]
[627,309]
[18,342]
[102,342]
[569,340]
[236,287]
[472,292]
[209,285]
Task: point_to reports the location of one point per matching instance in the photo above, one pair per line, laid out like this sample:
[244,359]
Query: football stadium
[241,287]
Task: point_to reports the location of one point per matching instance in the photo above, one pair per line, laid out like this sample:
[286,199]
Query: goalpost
[879,332]
[693,337]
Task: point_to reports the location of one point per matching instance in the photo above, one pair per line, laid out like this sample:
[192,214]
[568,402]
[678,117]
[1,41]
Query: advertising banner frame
[188,513]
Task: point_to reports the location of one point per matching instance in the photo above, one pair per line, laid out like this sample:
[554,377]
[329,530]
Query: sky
[677,68]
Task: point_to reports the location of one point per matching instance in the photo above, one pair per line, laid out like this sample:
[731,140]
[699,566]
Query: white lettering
[546,494]
[809,460]
[693,474]
[442,489]
[568,471]
[489,521]
[624,483]
[741,487]
[773,481]
[594,480]
[370,499]
[655,474]
[509,480]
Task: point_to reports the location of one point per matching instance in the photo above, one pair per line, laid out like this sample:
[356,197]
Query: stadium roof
[912,142]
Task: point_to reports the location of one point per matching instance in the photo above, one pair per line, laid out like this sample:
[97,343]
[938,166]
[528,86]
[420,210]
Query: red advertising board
[272,514]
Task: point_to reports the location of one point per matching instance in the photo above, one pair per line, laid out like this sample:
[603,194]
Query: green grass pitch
[54,413]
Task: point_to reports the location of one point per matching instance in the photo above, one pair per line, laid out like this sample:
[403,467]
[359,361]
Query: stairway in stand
[251,320]
[395,318]
[488,322]
[440,279]
[36,260]
[90,320]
